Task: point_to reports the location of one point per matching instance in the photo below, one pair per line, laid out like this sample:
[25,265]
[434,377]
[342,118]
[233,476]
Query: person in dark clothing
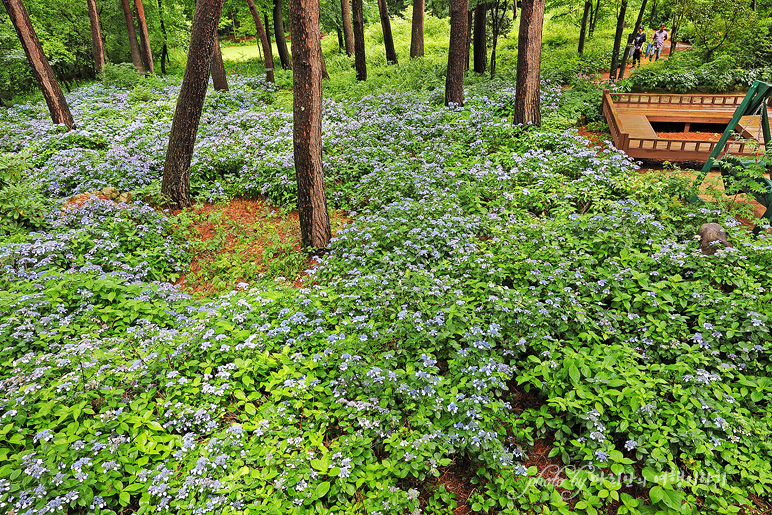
[638,42]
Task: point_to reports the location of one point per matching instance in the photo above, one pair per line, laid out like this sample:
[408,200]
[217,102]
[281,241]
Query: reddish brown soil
[239,217]
[697,136]
[457,479]
[598,139]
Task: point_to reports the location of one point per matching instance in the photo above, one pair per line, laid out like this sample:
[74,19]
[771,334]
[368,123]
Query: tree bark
[41,69]
[267,28]
[480,38]
[261,33]
[594,21]
[653,13]
[133,46]
[144,38]
[281,42]
[307,127]
[348,29]
[468,43]
[618,40]
[454,79]
[176,179]
[219,77]
[630,38]
[164,48]
[583,31]
[527,100]
[359,39]
[96,37]
[388,39]
[417,29]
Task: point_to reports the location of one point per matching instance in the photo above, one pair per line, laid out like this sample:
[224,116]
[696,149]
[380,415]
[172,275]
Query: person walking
[638,42]
[658,40]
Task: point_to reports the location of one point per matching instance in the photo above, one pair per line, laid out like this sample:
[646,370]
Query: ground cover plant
[503,297]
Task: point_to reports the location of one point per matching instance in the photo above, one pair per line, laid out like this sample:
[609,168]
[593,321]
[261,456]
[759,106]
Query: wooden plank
[636,124]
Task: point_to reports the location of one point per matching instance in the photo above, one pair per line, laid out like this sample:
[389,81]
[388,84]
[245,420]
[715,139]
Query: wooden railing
[731,101]
[688,145]
[609,111]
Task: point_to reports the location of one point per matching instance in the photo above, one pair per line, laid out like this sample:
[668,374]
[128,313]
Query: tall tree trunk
[583,31]
[348,29]
[96,37]
[498,12]
[594,21]
[219,77]
[267,28]
[144,38]
[164,48]
[417,29]
[454,80]
[133,46]
[653,13]
[527,101]
[618,40]
[468,43]
[753,5]
[175,184]
[480,38]
[359,39]
[281,41]
[307,127]
[388,39]
[44,74]
[267,51]
[630,38]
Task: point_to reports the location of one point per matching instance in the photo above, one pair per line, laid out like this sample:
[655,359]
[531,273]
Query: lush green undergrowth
[498,287]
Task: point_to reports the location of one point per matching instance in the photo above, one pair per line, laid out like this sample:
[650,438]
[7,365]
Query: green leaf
[574,373]
[322,489]
[656,494]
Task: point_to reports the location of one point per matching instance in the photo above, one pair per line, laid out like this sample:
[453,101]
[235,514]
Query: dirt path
[645,62]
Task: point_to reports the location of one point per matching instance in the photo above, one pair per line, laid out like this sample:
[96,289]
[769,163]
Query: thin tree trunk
[753,5]
[133,46]
[630,38]
[527,101]
[454,80]
[480,38]
[96,37]
[261,33]
[583,31]
[348,29]
[219,77]
[267,28]
[44,74]
[497,20]
[388,39]
[144,38]
[417,29]
[164,48]
[618,40]
[594,21]
[653,13]
[307,127]
[175,184]
[359,39]
[281,42]
[469,24]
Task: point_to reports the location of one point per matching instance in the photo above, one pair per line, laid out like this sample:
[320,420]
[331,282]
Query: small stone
[125,197]
[110,192]
[712,239]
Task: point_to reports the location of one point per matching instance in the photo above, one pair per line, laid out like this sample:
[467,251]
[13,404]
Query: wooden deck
[630,115]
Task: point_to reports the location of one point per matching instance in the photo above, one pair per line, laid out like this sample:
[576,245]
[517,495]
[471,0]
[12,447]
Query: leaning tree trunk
[133,46]
[630,39]
[359,39]
[617,41]
[267,51]
[175,184]
[527,101]
[219,77]
[480,38]
[96,37]
[417,29]
[164,48]
[594,18]
[583,31]
[388,39]
[144,38]
[454,79]
[307,127]
[281,41]
[653,13]
[44,74]
[348,29]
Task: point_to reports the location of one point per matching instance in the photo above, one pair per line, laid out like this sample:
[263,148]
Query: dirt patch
[457,479]
[598,139]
